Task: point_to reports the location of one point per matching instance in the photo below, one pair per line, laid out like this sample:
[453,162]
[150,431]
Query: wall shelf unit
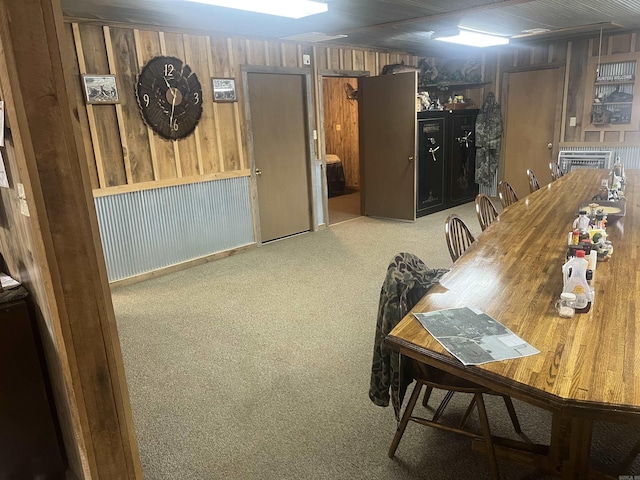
[613,87]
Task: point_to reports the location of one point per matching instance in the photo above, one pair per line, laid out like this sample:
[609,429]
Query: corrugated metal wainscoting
[150,229]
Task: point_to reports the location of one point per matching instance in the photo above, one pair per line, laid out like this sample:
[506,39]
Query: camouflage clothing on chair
[406,282]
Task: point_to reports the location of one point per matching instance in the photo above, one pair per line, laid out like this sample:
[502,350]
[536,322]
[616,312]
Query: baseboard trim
[180,266]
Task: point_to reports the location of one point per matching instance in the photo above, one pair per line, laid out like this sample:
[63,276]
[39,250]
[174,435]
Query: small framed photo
[224,90]
[100,89]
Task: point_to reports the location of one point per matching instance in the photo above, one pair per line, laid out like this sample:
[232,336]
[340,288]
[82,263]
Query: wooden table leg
[570,446]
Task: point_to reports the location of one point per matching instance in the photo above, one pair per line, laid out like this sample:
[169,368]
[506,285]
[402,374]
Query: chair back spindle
[507,194]
[458,236]
[485,210]
[533,181]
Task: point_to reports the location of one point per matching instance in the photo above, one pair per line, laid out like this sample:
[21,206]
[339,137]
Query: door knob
[258,171]
[410,158]
[549,146]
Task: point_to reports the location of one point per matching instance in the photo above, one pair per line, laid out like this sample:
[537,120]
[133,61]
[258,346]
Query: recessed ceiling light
[282,8]
[470,38]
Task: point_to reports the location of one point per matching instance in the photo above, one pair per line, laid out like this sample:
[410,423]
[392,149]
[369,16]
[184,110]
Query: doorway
[278,121]
[341,145]
[532,116]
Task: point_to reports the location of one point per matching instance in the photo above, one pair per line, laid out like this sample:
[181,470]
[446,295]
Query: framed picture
[224,90]
[100,89]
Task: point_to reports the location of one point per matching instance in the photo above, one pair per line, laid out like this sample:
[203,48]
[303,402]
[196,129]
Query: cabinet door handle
[410,158]
[258,171]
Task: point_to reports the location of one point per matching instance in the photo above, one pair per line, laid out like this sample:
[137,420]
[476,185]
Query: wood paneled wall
[56,250]
[580,58]
[123,153]
[341,126]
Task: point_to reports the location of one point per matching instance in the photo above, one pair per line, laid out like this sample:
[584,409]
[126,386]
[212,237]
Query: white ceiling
[397,25]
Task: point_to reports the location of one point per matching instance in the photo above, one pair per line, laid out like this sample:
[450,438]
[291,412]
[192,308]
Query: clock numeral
[197,95]
[145,99]
[168,70]
[174,125]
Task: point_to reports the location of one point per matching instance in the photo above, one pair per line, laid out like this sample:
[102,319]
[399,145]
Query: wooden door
[388,145]
[280,146]
[531,118]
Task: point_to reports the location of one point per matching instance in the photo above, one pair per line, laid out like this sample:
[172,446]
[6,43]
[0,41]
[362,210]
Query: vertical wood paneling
[341,126]
[106,123]
[333,58]
[119,113]
[80,108]
[358,60]
[575,90]
[140,55]
[613,137]
[256,52]
[172,162]
[237,56]
[320,57]
[126,63]
[289,55]
[621,43]
[275,54]
[187,149]
[219,141]
[198,57]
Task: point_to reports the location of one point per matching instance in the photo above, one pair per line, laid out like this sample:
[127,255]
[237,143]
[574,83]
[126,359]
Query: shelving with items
[613,98]
[611,88]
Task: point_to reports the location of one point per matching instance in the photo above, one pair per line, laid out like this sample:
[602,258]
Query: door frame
[560,107]
[311,148]
[322,145]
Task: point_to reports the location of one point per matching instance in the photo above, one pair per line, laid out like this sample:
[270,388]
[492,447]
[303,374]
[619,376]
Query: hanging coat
[488,140]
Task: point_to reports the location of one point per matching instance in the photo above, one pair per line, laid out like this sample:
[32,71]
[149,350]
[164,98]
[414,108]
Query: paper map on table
[473,337]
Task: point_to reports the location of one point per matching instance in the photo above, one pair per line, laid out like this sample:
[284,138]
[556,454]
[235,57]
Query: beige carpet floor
[257,366]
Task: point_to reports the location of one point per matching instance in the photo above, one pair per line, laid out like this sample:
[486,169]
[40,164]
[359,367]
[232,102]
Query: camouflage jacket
[488,140]
[406,282]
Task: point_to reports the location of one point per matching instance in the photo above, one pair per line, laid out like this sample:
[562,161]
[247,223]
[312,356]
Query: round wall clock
[170,97]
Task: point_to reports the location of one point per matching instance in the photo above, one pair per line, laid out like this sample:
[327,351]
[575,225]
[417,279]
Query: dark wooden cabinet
[29,446]
[446,160]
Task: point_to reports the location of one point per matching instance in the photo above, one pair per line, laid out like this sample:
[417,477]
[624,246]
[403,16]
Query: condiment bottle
[582,222]
[576,236]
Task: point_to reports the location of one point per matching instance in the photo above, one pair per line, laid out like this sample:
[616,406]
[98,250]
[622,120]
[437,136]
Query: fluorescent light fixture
[470,38]
[282,8]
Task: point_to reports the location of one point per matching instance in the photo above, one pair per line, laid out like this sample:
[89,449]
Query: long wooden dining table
[588,367]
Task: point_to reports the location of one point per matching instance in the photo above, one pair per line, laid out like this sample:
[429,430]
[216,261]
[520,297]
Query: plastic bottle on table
[575,281]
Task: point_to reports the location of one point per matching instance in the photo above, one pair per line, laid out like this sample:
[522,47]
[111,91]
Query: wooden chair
[458,236]
[533,181]
[399,300]
[485,210]
[507,194]
[556,173]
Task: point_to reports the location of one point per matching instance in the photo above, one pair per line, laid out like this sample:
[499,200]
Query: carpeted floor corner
[257,366]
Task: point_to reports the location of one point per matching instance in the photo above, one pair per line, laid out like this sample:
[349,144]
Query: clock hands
[173,107]
[173,101]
